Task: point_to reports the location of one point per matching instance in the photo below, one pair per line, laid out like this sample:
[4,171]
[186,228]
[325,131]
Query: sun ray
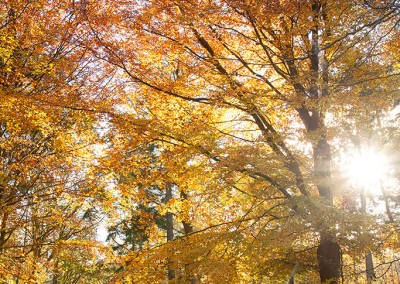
[367,169]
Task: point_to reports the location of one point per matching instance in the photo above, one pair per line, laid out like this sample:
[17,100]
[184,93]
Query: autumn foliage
[197,141]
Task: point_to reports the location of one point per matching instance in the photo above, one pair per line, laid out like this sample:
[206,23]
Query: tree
[48,191]
[254,92]
[250,105]
[136,214]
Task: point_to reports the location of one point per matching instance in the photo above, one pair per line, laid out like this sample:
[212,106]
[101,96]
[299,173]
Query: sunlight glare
[368,169]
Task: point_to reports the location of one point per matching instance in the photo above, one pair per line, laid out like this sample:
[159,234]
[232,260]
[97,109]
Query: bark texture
[329,258]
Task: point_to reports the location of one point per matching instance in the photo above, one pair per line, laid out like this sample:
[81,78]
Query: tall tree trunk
[328,252]
[369,264]
[329,258]
[170,226]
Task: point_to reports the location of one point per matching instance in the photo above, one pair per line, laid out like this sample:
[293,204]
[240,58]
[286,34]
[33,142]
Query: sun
[367,169]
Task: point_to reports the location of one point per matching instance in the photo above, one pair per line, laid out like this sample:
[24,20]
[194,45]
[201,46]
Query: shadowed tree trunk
[328,252]
[369,264]
[329,258]
[170,226]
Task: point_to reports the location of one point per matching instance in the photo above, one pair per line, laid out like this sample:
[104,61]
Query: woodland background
[206,138]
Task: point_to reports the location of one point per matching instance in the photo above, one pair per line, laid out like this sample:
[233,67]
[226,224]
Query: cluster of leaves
[202,134]
[49,195]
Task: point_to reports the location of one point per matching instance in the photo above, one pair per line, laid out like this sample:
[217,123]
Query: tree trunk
[328,252]
[369,264]
[293,273]
[329,259]
[170,227]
